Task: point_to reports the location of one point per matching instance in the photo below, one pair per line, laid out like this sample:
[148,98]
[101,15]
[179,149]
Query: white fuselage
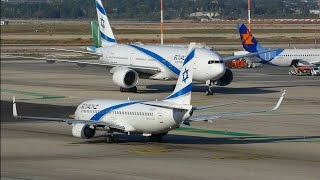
[286,58]
[133,115]
[168,59]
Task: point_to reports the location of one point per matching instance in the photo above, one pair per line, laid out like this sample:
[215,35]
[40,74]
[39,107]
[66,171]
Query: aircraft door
[132,58]
[159,115]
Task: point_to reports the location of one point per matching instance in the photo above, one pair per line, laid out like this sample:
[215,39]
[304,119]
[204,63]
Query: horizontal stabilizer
[67,120]
[216,105]
[230,58]
[168,105]
[227,114]
[75,51]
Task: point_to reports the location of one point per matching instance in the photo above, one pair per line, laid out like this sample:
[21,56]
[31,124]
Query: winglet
[280,101]
[14,108]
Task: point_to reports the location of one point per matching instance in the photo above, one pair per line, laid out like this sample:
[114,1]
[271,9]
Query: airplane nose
[220,69]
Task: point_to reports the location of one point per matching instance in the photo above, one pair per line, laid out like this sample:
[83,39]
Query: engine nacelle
[83,131]
[226,79]
[125,77]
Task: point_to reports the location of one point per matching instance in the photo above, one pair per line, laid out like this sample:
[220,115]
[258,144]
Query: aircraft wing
[67,120]
[83,63]
[209,117]
[230,58]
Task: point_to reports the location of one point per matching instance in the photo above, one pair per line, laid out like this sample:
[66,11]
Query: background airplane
[130,62]
[280,57]
[150,118]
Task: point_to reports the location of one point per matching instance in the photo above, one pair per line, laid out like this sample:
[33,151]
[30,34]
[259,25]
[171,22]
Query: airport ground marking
[150,151]
[42,96]
[238,158]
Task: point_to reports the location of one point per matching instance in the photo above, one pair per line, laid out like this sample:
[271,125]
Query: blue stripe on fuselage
[158,58]
[182,92]
[105,37]
[103,112]
[189,57]
[100,8]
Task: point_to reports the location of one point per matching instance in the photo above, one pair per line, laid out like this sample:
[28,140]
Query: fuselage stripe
[158,58]
[189,57]
[105,37]
[100,8]
[103,112]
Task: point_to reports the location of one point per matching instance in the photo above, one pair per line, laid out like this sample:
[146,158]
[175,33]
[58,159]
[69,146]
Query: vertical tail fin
[106,34]
[95,34]
[251,44]
[182,92]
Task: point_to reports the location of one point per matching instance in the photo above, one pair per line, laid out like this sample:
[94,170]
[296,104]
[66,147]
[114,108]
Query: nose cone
[219,70]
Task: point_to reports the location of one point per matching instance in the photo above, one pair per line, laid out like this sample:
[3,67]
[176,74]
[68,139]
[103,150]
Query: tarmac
[280,145]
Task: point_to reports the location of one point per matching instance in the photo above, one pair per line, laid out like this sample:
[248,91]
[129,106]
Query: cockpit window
[214,62]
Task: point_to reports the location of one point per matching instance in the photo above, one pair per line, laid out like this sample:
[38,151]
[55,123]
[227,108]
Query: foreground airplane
[281,57]
[150,118]
[130,62]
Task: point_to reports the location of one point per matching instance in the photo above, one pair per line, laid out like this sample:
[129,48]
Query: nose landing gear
[210,85]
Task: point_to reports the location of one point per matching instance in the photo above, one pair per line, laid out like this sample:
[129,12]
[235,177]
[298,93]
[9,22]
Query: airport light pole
[249,14]
[161,23]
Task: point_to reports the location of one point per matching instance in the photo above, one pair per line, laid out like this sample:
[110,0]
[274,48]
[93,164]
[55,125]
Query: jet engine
[125,77]
[83,131]
[226,79]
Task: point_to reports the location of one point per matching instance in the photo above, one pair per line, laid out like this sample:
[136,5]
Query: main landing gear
[111,138]
[133,89]
[210,85]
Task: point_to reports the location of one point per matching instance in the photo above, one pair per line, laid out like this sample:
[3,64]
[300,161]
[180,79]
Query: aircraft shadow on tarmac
[157,88]
[202,88]
[187,139]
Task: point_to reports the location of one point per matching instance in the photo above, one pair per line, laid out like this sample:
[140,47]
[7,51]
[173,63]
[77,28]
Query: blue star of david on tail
[185,75]
[102,22]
